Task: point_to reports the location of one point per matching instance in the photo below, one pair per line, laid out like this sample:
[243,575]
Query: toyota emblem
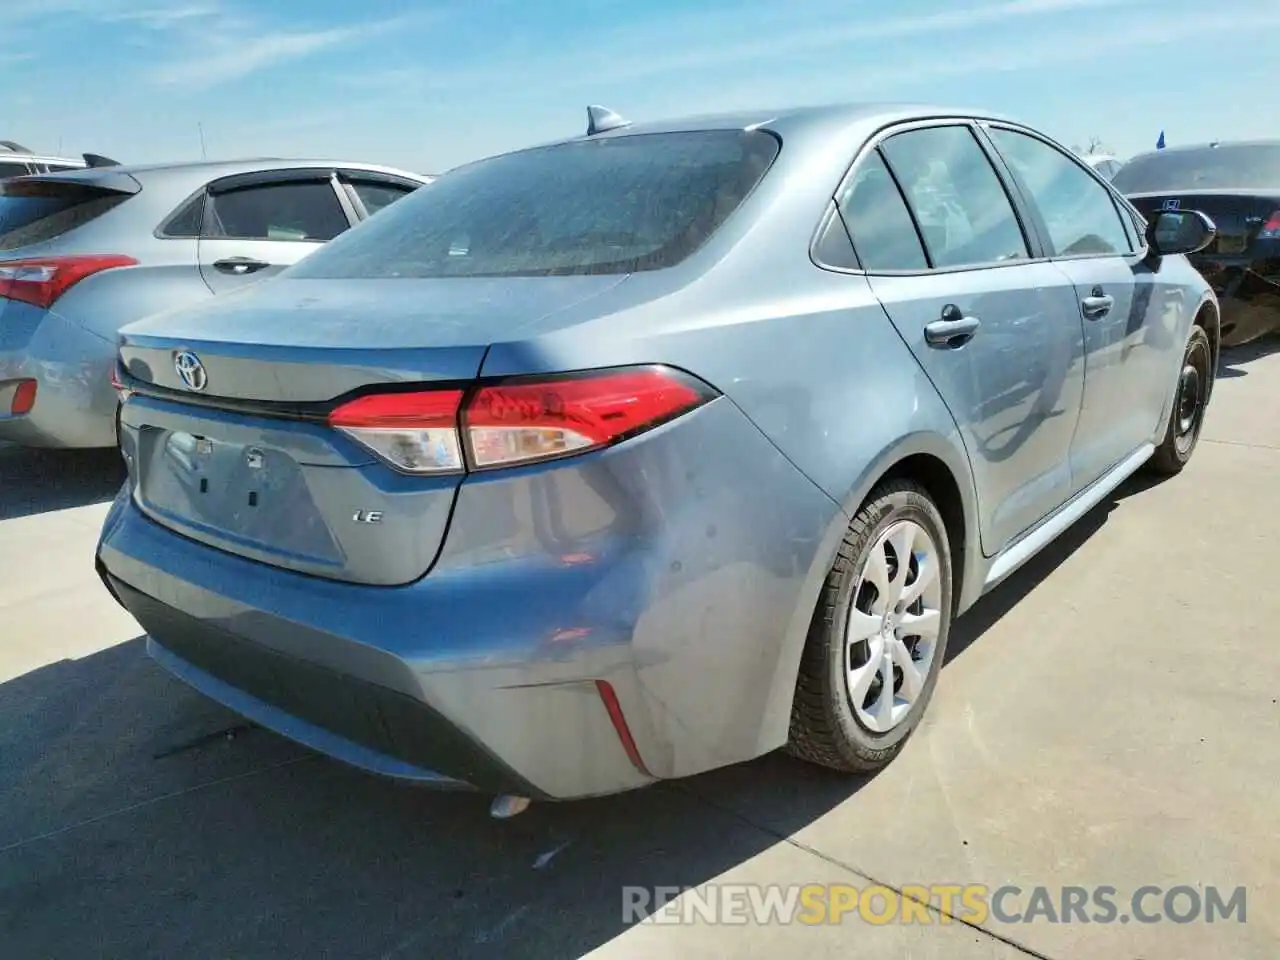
[191,370]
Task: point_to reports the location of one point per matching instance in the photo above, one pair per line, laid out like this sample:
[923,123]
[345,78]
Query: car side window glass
[1130,227]
[13,170]
[964,213]
[879,222]
[302,211]
[375,196]
[1078,211]
[833,247]
[187,221]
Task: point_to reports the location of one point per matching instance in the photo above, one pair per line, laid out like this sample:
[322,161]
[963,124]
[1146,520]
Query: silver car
[84,252]
[653,450]
[1107,165]
[19,161]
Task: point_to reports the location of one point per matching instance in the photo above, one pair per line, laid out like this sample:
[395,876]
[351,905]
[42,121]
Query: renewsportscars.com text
[978,904]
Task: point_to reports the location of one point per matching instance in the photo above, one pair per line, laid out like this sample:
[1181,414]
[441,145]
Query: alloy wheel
[892,630]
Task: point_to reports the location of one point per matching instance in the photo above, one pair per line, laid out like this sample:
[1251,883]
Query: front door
[998,335]
[1127,345]
[255,229]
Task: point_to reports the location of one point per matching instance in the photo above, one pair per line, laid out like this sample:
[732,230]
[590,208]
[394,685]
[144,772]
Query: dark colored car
[1238,186]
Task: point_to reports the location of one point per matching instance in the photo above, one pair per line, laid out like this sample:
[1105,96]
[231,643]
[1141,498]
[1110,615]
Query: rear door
[1129,347]
[997,333]
[256,225]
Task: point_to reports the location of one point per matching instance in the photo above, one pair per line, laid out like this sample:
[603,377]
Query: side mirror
[1180,231]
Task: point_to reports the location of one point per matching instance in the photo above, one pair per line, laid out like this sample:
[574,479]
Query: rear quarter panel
[808,355]
[167,278]
[167,275]
[1184,294]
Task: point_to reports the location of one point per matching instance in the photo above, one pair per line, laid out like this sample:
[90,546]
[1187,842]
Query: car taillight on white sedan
[518,421]
[40,281]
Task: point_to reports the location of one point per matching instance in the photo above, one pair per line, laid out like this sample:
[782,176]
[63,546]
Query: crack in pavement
[862,875]
[89,821]
[1242,443]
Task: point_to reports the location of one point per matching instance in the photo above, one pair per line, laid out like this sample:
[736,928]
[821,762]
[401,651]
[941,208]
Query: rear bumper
[340,678]
[75,404]
[1249,302]
[680,569]
[369,726]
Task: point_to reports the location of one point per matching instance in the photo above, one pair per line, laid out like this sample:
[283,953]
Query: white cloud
[699,42]
[231,60]
[241,48]
[1083,46]
[160,18]
[1077,46]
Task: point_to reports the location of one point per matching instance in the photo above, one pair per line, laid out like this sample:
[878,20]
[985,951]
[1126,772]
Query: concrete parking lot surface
[1108,717]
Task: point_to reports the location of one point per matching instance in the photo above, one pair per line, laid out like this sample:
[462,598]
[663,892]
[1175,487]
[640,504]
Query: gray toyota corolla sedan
[642,453]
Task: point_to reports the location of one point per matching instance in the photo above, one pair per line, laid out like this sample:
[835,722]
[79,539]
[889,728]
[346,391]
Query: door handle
[1097,305]
[953,330]
[239,266]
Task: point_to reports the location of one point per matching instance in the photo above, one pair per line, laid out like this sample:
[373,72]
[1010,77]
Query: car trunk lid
[1239,216]
[226,431]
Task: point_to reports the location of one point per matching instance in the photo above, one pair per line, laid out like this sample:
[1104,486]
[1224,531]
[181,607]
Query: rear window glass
[35,211]
[1228,167]
[613,205]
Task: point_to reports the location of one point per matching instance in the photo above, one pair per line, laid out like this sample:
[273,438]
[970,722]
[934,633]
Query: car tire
[1190,400]
[827,727]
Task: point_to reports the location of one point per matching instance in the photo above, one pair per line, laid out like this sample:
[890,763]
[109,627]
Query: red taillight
[41,281]
[520,421]
[1271,229]
[414,432]
[23,399]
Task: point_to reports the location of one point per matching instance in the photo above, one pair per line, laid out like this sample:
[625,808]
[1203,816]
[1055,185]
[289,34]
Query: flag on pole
[1160,141]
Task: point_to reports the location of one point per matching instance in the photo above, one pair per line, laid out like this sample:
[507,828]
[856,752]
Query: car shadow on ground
[40,481]
[1233,361]
[142,820]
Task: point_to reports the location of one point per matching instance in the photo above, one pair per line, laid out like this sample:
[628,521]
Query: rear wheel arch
[936,465]
[933,474]
[1208,319]
[940,466]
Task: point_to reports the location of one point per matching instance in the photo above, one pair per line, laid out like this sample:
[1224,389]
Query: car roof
[213,169]
[796,117]
[786,121]
[21,156]
[1209,145]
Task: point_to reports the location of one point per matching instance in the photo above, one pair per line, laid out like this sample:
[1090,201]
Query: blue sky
[427,87]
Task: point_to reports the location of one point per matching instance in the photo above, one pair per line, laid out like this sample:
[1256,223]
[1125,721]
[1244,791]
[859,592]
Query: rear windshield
[1228,167]
[35,211]
[613,205]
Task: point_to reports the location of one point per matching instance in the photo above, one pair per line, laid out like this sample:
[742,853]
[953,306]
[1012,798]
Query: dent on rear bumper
[681,567]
